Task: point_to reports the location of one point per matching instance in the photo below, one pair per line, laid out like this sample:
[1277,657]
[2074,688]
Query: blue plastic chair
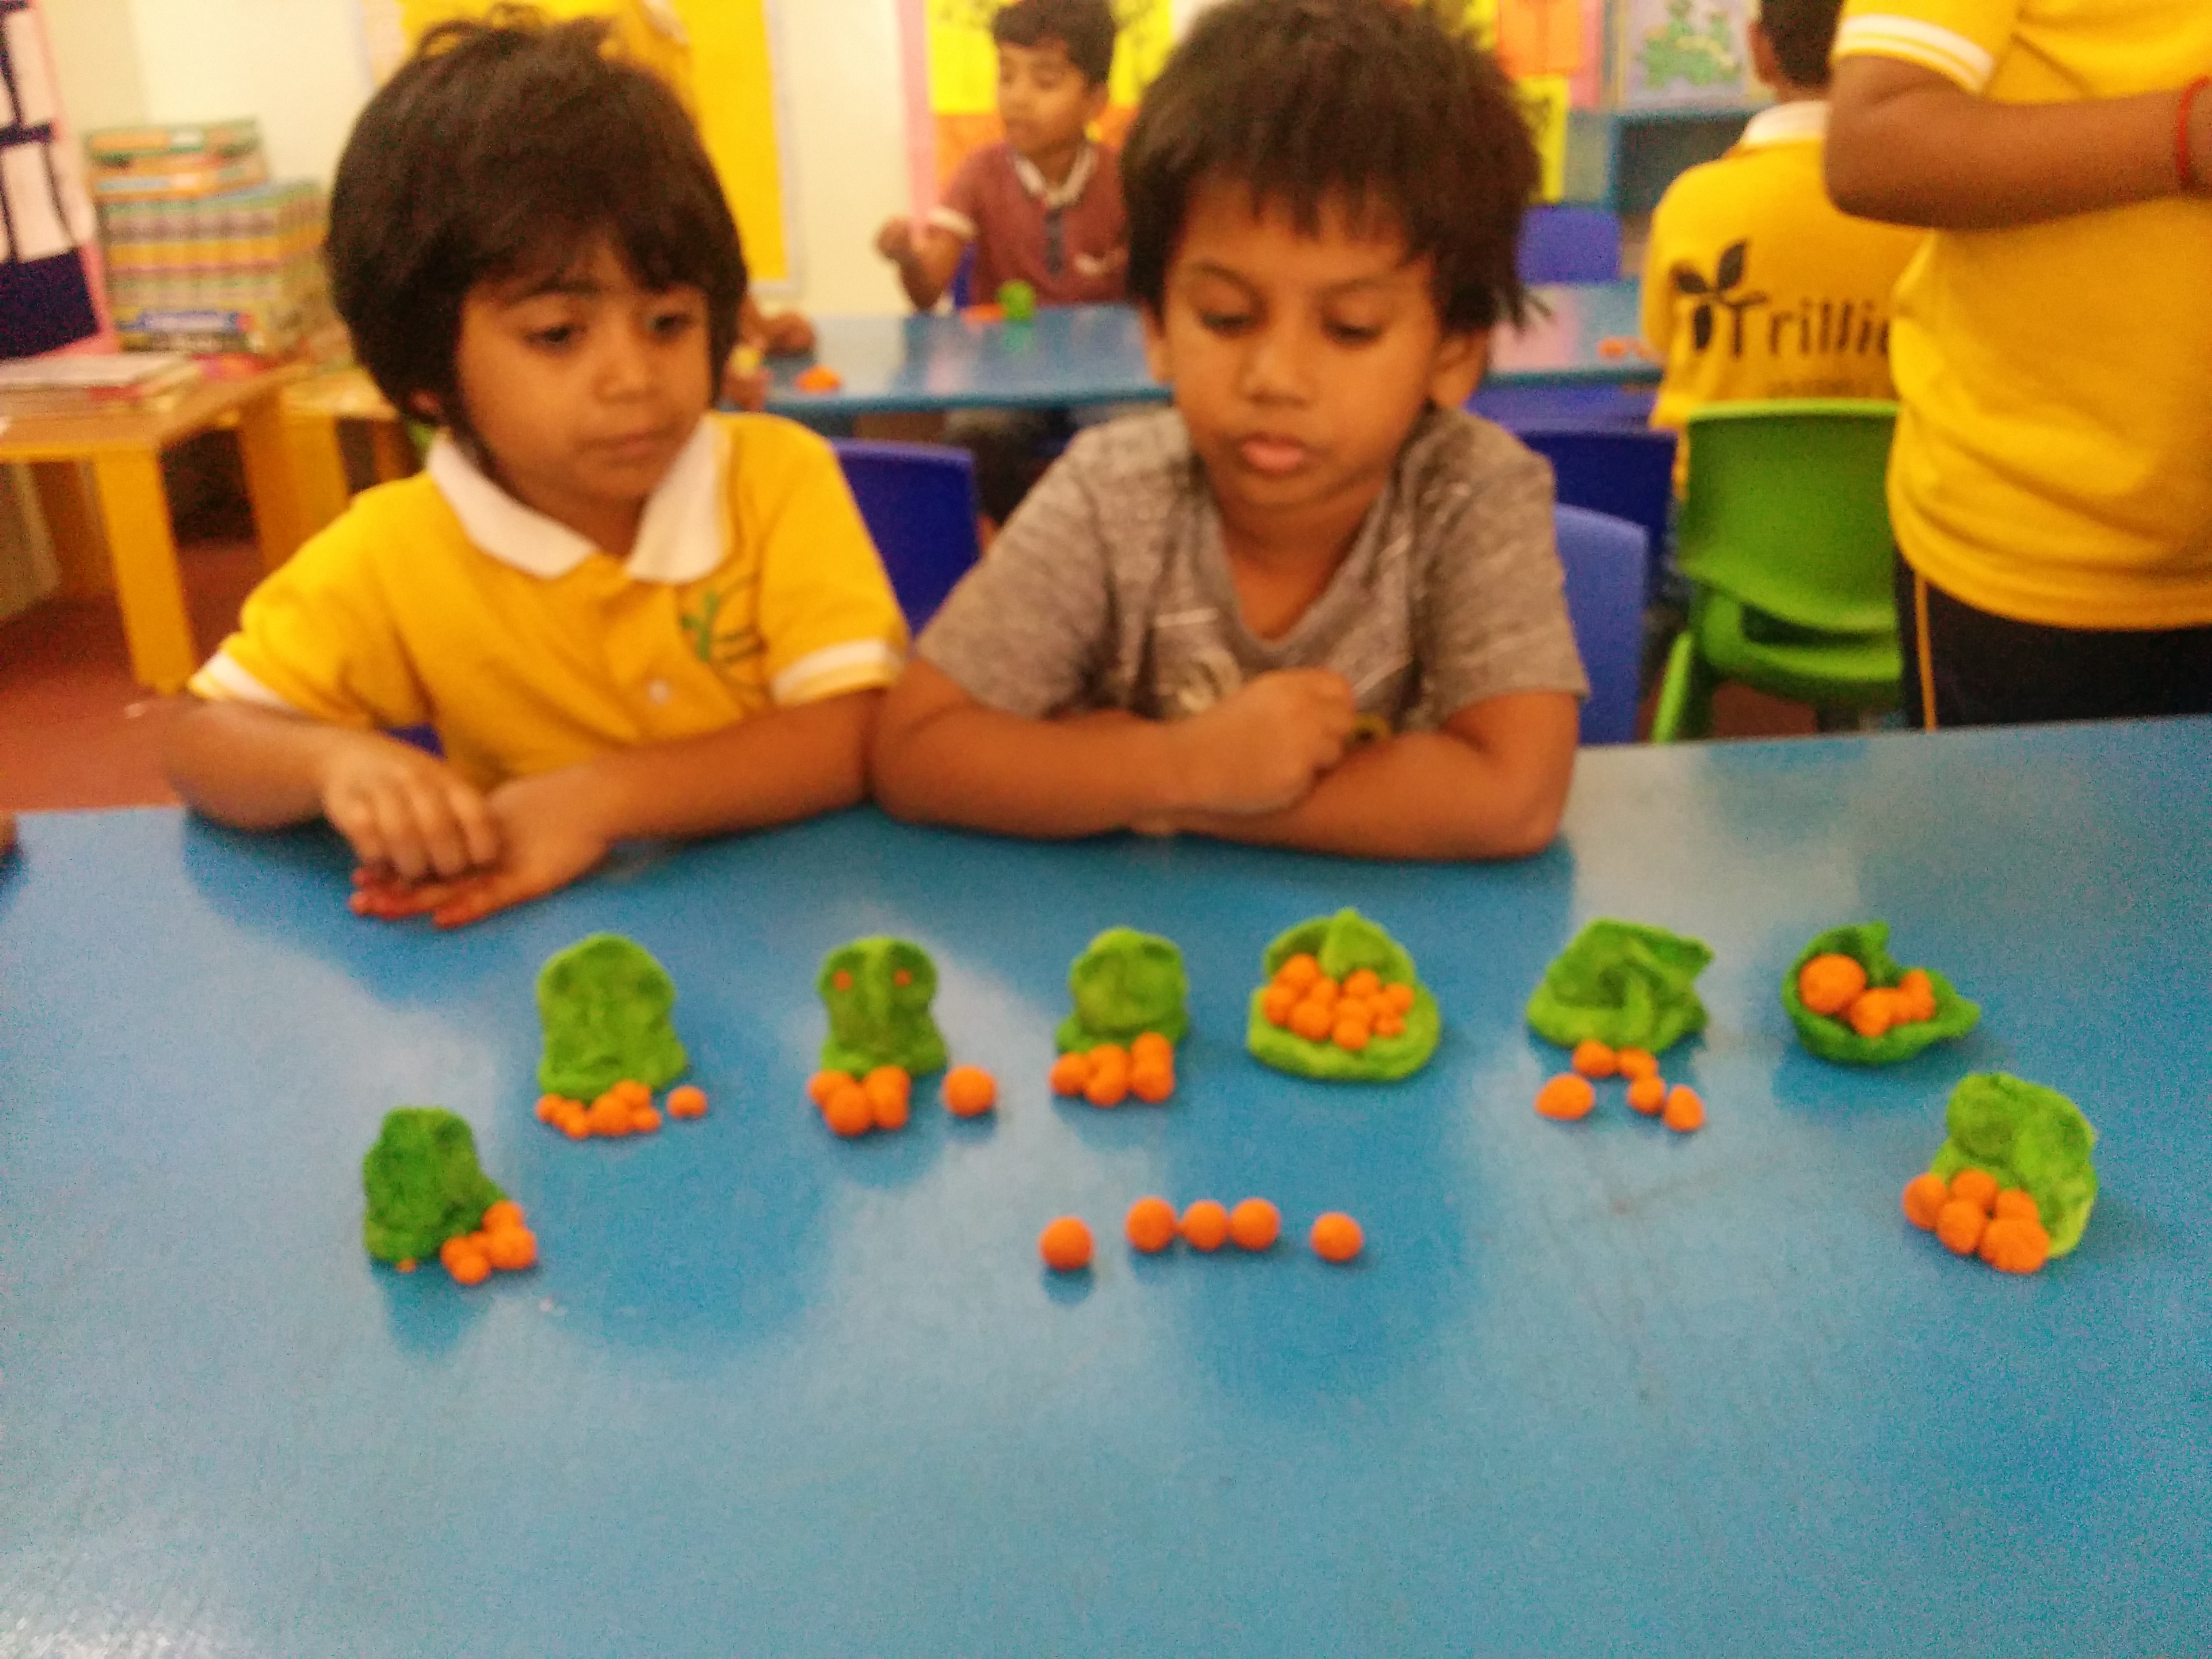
[1517,408]
[1569,243]
[919,503]
[1628,473]
[1604,558]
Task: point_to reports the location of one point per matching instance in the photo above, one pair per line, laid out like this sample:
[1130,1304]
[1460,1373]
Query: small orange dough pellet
[1065,1244]
[1636,1062]
[1961,1224]
[406,1265]
[690,1100]
[1873,1012]
[511,1249]
[610,1115]
[1362,983]
[633,1091]
[1276,1003]
[2016,1204]
[969,1091]
[1829,984]
[505,1213]
[819,1088]
[1592,1059]
[1300,971]
[1255,1225]
[1070,1072]
[1109,1077]
[1324,990]
[2013,1244]
[1390,1024]
[1206,1225]
[843,978]
[1313,1020]
[575,1123]
[1350,1033]
[1336,1237]
[1917,995]
[1398,999]
[1976,1187]
[891,1093]
[1648,1095]
[848,1112]
[1565,1098]
[1925,1195]
[820,378]
[1152,1046]
[890,1111]
[1150,1225]
[1151,1083]
[549,1108]
[1685,1111]
[465,1258]
[645,1122]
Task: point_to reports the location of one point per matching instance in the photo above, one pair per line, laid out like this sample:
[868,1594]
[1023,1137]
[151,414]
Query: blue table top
[1594,1388]
[1077,355]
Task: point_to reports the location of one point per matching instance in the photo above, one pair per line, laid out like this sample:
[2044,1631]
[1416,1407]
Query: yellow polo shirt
[2053,461]
[1755,286]
[443,600]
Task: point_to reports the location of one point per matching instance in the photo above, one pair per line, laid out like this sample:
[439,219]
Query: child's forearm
[1055,780]
[1908,146]
[252,769]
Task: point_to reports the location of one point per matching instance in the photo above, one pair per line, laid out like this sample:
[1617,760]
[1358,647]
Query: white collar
[1802,122]
[1070,188]
[683,536]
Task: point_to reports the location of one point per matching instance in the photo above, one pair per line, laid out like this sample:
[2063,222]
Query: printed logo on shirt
[1813,327]
[713,644]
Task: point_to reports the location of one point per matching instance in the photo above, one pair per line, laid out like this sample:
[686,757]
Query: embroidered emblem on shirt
[718,648]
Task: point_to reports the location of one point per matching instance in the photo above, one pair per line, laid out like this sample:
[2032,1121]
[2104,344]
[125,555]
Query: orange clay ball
[1592,1059]
[1110,1080]
[610,1115]
[1350,1033]
[549,1108]
[969,1091]
[1389,1024]
[1565,1097]
[848,1112]
[2013,1244]
[1150,1225]
[1152,1046]
[1636,1062]
[645,1122]
[576,1122]
[1313,1020]
[1065,1244]
[886,1081]
[1206,1225]
[406,1265]
[1300,971]
[510,1249]
[1830,984]
[1925,1195]
[819,1088]
[1961,1224]
[1255,1225]
[1874,1012]
[891,1111]
[1070,1072]
[1276,1003]
[634,1092]
[690,1100]
[1917,995]
[2016,1204]
[1362,982]
[1337,1237]
[465,1258]
[1685,1110]
[1398,999]
[505,1213]
[1648,1095]
[1976,1187]
[1152,1084]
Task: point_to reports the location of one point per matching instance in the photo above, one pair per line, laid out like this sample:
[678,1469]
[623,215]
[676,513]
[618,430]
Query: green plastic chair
[1784,537]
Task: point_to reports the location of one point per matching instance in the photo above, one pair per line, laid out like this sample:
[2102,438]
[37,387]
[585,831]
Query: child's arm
[926,265]
[1908,145]
[943,756]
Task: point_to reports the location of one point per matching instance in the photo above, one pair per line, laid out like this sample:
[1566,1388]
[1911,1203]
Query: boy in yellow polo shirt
[625,616]
[2052,483]
[1754,286]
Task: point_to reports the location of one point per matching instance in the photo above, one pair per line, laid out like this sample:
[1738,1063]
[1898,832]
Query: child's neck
[611,526]
[1281,562]
[1055,165]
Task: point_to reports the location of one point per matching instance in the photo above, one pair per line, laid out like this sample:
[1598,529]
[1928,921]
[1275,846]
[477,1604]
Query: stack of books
[239,271]
[163,163]
[134,382]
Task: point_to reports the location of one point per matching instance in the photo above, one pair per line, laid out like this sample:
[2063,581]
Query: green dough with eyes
[423,1185]
[1344,943]
[1126,984]
[1624,985]
[605,1004]
[2029,1136]
[1832,1039]
[878,991]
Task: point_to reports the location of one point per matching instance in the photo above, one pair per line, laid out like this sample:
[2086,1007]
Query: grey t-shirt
[1110,588]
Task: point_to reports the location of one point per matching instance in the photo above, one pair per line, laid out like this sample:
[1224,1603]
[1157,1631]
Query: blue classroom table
[1594,1388]
[1077,355]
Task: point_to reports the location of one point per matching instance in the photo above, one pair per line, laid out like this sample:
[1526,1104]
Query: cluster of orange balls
[1109,1074]
[1304,1000]
[1570,1096]
[500,1242]
[1153,1225]
[1973,1215]
[1836,985]
[852,1106]
[624,1109]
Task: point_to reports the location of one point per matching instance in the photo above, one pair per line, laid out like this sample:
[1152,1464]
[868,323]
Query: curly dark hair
[504,148]
[1369,101]
[1086,27]
[1802,31]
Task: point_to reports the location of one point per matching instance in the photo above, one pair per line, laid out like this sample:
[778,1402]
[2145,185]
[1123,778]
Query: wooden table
[123,449]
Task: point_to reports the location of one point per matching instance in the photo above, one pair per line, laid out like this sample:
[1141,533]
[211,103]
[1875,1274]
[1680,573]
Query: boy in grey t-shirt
[1314,605]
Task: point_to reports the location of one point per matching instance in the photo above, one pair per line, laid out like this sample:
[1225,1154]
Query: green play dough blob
[604,1003]
[2026,1135]
[880,1015]
[1832,1039]
[1126,984]
[1019,301]
[1624,985]
[1344,943]
[423,1185]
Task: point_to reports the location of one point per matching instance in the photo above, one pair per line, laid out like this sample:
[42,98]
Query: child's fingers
[474,899]
[352,815]
[438,829]
[480,830]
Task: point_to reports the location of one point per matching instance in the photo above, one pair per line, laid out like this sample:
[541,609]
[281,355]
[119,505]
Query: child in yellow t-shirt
[1754,285]
[624,616]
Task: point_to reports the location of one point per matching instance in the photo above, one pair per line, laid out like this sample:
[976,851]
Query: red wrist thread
[2184,161]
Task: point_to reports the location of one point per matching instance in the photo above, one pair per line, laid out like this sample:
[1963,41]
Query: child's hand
[403,812]
[551,835]
[894,241]
[786,334]
[1262,748]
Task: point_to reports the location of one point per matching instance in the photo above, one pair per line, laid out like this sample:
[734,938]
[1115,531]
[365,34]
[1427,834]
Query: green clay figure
[1018,300]
[1832,1039]
[604,1003]
[1126,984]
[1343,944]
[1622,984]
[423,1185]
[2025,1136]
[878,991]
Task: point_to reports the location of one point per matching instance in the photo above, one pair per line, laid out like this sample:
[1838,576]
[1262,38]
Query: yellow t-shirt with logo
[442,600]
[1756,287]
[2054,457]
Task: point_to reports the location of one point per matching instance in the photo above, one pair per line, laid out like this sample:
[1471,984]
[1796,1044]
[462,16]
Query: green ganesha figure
[1126,984]
[878,991]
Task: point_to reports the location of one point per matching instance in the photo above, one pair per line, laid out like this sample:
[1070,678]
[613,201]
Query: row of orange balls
[1106,1074]
[1153,1225]
[1570,1096]
[883,1099]
[624,1109]
[501,1243]
[1835,986]
[1305,1001]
